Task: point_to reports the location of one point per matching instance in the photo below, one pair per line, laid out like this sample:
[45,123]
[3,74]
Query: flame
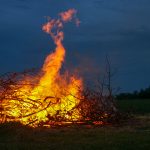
[54,95]
[67,16]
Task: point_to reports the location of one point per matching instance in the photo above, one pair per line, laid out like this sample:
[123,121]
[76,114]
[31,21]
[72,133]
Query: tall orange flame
[54,93]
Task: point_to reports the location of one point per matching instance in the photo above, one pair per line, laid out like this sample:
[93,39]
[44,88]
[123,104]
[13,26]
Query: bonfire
[51,97]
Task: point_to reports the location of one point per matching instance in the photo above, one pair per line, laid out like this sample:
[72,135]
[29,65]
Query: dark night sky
[118,28]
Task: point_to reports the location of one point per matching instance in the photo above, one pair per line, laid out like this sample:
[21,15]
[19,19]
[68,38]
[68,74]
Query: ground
[132,134]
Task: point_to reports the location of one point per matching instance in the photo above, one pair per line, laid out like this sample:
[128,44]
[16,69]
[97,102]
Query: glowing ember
[49,94]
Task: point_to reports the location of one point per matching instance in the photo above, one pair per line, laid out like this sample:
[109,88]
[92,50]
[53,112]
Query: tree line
[141,94]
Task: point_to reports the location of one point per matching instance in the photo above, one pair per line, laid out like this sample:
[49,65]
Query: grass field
[131,135]
[137,106]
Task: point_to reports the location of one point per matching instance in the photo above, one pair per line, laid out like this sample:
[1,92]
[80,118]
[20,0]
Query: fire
[67,16]
[50,94]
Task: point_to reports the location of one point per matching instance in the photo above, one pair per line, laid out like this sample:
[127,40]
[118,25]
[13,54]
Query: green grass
[103,138]
[130,135]
[137,106]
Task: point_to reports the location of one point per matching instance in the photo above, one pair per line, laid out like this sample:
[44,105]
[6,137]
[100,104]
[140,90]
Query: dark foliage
[142,94]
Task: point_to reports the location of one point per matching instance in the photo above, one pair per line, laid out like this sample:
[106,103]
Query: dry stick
[39,110]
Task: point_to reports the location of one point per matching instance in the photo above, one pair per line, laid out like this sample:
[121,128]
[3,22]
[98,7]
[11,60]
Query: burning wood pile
[50,97]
